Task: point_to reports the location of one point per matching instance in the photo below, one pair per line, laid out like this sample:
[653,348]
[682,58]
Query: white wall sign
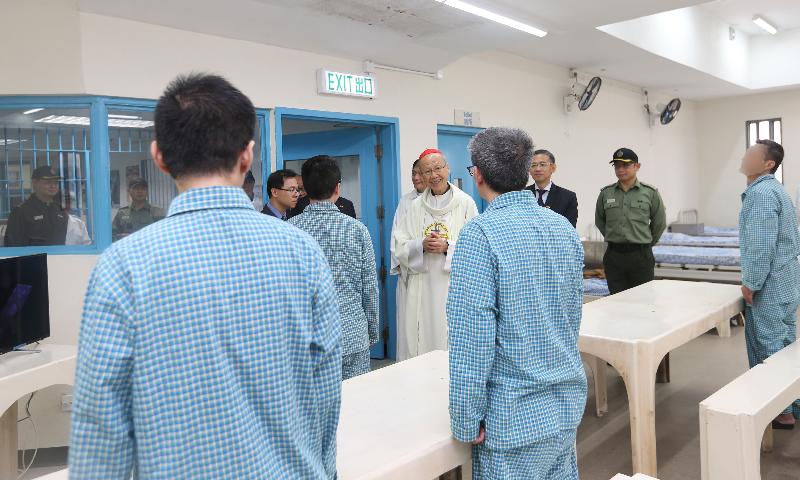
[337,83]
[467,118]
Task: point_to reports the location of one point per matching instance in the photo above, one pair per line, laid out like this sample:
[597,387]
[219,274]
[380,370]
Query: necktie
[541,196]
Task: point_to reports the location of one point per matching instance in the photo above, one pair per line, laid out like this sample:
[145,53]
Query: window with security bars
[45,211]
[765,130]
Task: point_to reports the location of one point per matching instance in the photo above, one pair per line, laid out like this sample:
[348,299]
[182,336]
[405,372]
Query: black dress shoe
[782,426]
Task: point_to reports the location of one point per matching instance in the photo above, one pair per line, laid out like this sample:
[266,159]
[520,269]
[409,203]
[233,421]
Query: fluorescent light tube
[509,22]
[765,25]
[124,117]
[112,122]
[33,110]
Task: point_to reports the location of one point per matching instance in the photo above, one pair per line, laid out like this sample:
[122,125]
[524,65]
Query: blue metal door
[355,151]
[453,143]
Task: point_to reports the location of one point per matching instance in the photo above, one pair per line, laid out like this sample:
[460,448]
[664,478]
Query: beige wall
[722,139]
[507,91]
[124,58]
[41,54]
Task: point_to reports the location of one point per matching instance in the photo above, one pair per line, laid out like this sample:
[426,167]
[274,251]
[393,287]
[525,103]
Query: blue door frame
[386,195]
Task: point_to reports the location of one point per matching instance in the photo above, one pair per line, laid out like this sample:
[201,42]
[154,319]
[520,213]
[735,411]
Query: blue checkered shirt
[209,348]
[769,242]
[348,248]
[514,311]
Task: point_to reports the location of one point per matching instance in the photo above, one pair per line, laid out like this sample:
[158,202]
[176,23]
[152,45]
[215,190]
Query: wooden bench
[733,420]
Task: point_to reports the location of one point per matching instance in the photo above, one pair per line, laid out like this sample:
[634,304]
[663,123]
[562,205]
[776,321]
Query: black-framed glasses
[471,170]
[291,190]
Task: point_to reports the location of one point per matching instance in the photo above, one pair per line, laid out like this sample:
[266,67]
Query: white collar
[549,186]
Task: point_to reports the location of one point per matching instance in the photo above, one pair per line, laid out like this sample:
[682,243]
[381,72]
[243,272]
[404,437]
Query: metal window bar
[70,152]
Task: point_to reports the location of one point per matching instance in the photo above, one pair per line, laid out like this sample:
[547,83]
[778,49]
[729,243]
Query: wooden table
[635,329]
[395,423]
[22,373]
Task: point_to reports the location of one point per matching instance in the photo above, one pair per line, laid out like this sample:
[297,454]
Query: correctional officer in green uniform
[631,217]
[138,214]
[39,220]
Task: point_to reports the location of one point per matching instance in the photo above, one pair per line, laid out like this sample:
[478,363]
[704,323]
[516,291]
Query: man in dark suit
[549,195]
[345,205]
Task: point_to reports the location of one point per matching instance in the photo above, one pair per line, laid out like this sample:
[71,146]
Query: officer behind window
[39,220]
[138,214]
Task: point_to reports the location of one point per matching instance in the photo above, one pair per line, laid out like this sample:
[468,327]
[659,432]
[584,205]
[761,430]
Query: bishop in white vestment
[423,242]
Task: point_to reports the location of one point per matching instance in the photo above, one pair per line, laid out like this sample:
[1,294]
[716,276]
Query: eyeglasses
[292,190]
[540,165]
[471,170]
[437,170]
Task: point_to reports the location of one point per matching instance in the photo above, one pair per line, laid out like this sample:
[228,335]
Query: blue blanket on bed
[722,231]
[595,287]
[718,257]
[669,238]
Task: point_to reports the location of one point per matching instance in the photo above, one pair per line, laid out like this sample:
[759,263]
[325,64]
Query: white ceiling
[426,35]
[784,14]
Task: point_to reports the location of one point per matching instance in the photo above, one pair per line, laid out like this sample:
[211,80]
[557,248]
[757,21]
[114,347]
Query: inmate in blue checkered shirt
[514,311]
[209,348]
[348,248]
[769,242]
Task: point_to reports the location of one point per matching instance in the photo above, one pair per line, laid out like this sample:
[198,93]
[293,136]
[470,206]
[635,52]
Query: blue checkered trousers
[209,349]
[514,312]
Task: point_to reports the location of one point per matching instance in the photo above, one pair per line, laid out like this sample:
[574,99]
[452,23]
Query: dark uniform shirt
[129,219]
[35,223]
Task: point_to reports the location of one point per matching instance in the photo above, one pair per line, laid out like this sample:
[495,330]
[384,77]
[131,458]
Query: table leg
[640,383]
[768,441]
[8,443]
[724,328]
[597,368]
[662,374]
[600,386]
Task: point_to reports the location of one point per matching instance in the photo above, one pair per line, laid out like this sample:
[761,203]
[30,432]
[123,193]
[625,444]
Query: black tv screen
[24,301]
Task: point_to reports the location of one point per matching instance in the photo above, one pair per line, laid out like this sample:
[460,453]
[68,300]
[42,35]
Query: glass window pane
[763,130]
[140,192]
[776,129]
[753,134]
[44,192]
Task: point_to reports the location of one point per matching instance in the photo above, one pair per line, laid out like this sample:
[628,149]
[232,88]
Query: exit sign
[337,83]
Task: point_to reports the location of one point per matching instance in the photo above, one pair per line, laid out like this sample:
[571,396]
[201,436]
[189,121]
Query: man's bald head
[435,172]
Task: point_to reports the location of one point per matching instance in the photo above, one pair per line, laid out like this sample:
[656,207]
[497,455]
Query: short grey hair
[504,156]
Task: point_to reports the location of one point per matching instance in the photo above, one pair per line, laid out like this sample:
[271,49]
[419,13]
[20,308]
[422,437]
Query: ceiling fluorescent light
[64,119]
[113,122]
[509,22]
[33,110]
[124,117]
[765,25]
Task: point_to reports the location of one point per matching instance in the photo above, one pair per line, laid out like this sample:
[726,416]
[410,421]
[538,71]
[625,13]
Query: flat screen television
[24,301]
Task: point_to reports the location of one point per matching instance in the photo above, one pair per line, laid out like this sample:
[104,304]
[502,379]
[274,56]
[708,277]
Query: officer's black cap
[625,155]
[45,172]
[137,182]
